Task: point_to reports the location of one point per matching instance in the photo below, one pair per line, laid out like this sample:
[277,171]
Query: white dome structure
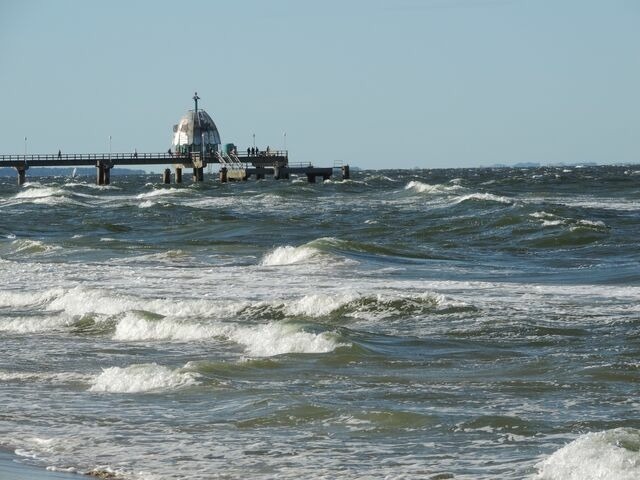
[195,128]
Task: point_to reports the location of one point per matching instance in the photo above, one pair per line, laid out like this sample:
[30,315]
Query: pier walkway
[274,163]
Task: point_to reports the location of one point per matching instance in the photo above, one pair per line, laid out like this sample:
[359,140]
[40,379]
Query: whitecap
[289,255]
[142,378]
[157,193]
[436,189]
[612,454]
[134,328]
[280,338]
[484,197]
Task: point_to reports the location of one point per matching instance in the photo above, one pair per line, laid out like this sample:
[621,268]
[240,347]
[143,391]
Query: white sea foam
[289,255]
[551,220]
[279,338]
[259,340]
[39,192]
[28,246]
[552,223]
[484,197]
[23,298]
[134,328]
[158,193]
[32,324]
[148,377]
[318,305]
[608,455]
[146,204]
[436,189]
[55,378]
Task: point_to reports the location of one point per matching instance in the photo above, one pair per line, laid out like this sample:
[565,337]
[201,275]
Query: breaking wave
[437,189]
[289,255]
[144,378]
[612,454]
[264,340]
[484,197]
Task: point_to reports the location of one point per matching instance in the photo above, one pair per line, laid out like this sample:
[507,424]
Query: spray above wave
[144,378]
[612,454]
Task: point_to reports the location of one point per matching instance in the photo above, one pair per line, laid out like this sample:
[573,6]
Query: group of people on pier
[253,151]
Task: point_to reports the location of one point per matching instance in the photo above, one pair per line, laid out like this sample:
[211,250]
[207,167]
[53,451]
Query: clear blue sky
[405,83]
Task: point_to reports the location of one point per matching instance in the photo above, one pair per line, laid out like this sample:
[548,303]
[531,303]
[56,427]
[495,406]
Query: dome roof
[193,126]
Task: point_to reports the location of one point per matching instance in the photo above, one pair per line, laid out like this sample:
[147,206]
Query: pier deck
[264,163]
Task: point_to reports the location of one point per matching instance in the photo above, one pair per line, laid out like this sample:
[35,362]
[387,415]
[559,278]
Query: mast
[195,99]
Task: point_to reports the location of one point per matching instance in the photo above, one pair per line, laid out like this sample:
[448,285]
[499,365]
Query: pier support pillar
[326,177]
[311,178]
[166,176]
[345,172]
[260,176]
[178,175]
[103,173]
[198,174]
[22,175]
[280,173]
[223,175]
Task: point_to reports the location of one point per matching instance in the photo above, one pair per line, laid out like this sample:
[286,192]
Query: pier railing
[130,158]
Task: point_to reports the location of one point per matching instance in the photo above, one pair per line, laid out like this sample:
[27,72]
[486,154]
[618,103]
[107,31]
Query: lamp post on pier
[109,147]
[254,140]
[25,147]
[285,140]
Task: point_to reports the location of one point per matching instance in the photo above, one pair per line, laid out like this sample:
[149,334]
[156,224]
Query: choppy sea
[432,324]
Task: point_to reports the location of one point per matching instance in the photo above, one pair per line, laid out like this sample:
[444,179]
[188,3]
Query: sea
[402,324]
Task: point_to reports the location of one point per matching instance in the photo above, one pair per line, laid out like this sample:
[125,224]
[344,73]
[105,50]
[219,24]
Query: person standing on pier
[248,151]
[59,153]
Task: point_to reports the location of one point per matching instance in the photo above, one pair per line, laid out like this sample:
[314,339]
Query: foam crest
[157,193]
[55,378]
[39,192]
[318,305]
[134,328]
[143,378]
[437,189]
[612,454]
[260,341]
[32,324]
[27,246]
[280,338]
[484,197]
[80,301]
[289,255]
[17,298]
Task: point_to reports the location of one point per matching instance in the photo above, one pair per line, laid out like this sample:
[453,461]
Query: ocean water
[433,324]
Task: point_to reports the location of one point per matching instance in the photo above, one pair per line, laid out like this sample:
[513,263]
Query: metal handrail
[264,153]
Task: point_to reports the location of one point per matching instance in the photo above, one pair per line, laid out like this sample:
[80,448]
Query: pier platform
[238,166]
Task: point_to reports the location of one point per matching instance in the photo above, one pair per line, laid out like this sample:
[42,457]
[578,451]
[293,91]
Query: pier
[196,144]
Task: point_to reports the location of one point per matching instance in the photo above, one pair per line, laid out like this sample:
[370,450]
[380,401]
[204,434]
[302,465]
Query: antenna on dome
[195,99]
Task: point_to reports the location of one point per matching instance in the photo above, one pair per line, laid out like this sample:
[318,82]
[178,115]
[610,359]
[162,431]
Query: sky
[372,83]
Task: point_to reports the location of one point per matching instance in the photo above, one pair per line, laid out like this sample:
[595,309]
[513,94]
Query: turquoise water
[467,324]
